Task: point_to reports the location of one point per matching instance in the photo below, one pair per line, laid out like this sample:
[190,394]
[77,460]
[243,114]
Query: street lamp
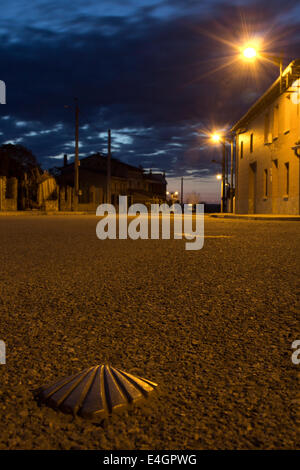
[216,137]
[172,196]
[251,53]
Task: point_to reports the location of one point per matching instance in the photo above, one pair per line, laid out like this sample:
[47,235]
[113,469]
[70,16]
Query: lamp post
[223,195]
[217,138]
[219,177]
[181,192]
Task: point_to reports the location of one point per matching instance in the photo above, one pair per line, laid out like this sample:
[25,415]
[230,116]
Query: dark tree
[19,162]
[16,160]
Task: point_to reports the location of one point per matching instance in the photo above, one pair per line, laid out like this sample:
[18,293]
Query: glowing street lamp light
[219,176]
[216,137]
[249,53]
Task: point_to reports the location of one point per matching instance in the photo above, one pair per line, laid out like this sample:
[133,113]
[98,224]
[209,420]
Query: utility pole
[76,162]
[108,168]
[231,173]
[223,196]
[181,192]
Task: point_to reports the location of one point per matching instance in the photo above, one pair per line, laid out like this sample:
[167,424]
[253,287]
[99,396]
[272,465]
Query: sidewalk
[256,216]
[41,213]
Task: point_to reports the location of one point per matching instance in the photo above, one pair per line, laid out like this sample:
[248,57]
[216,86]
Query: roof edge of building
[269,96]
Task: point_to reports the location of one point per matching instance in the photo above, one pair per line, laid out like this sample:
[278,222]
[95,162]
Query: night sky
[160,73]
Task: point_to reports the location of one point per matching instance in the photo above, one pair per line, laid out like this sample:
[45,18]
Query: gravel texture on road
[212,327]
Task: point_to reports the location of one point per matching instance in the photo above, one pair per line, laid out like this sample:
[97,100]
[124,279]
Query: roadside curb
[41,213]
[289,218]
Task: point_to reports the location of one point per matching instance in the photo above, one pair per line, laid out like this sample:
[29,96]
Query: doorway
[252,188]
[275,186]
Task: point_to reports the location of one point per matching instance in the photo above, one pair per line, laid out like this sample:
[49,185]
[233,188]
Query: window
[242,149]
[251,143]
[265,183]
[287,178]
[275,122]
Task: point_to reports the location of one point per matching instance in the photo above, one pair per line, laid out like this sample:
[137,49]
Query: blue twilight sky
[160,73]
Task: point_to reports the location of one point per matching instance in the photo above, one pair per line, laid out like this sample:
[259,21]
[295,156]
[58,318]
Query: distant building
[126,180]
[267,149]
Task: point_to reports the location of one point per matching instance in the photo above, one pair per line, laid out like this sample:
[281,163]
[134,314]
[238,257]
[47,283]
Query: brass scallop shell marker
[96,391]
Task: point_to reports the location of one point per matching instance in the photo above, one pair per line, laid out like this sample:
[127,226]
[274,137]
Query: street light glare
[219,177]
[216,137]
[249,53]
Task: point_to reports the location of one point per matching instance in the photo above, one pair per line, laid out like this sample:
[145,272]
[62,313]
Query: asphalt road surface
[213,328]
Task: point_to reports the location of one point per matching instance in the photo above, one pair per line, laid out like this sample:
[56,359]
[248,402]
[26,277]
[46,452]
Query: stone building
[126,180]
[267,165]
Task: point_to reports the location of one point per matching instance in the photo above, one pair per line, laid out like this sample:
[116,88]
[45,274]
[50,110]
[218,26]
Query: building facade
[125,180]
[267,143]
